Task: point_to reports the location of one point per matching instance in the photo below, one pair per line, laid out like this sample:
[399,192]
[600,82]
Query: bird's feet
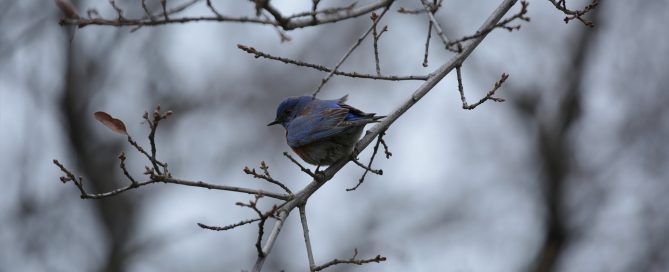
[319,175]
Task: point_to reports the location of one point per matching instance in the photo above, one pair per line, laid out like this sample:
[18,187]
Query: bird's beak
[274,123]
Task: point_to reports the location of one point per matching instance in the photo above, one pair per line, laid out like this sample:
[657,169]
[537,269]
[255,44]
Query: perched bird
[321,132]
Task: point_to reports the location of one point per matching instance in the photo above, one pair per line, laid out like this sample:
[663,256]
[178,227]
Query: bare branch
[119,11]
[164,13]
[213,10]
[307,240]
[377,35]
[367,168]
[348,53]
[125,171]
[157,116]
[302,168]
[291,22]
[264,4]
[283,214]
[418,11]
[521,15]
[371,159]
[489,95]
[146,11]
[314,8]
[332,18]
[352,260]
[262,219]
[431,10]
[328,11]
[266,176]
[163,3]
[404,10]
[260,54]
[228,227]
[427,44]
[282,34]
[78,182]
[575,14]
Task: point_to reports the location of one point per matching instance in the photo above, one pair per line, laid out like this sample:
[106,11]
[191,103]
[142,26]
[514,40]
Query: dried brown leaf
[67,8]
[112,123]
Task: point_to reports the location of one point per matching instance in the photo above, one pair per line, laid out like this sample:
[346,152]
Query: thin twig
[307,240]
[125,170]
[260,54]
[333,18]
[292,23]
[386,151]
[119,11]
[141,150]
[575,14]
[502,24]
[353,47]
[228,227]
[162,13]
[489,95]
[146,11]
[352,260]
[368,168]
[430,13]
[314,8]
[163,3]
[153,126]
[282,34]
[266,176]
[404,10]
[283,214]
[265,4]
[261,223]
[213,10]
[427,43]
[302,168]
[78,182]
[377,35]
[435,6]
[327,11]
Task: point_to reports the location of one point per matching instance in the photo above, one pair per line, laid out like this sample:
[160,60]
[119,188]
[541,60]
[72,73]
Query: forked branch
[488,96]
[352,260]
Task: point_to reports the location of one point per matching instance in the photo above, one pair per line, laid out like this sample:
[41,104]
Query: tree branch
[348,53]
[84,195]
[575,14]
[290,22]
[352,260]
[307,240]
[260,54]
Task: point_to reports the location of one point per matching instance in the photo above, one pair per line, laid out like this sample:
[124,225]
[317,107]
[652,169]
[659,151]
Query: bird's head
[289,108]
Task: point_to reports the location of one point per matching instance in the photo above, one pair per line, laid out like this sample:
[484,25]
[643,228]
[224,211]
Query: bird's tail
[377,118]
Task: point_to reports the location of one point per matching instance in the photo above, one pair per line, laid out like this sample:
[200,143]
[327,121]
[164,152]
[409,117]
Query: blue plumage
[321,132]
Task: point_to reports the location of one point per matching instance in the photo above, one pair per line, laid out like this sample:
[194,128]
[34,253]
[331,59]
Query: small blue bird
[321,132]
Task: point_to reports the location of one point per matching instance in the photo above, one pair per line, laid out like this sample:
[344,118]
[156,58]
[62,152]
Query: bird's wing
[313,127]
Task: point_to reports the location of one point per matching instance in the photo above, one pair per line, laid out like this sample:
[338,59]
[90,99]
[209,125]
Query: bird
[321,132]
